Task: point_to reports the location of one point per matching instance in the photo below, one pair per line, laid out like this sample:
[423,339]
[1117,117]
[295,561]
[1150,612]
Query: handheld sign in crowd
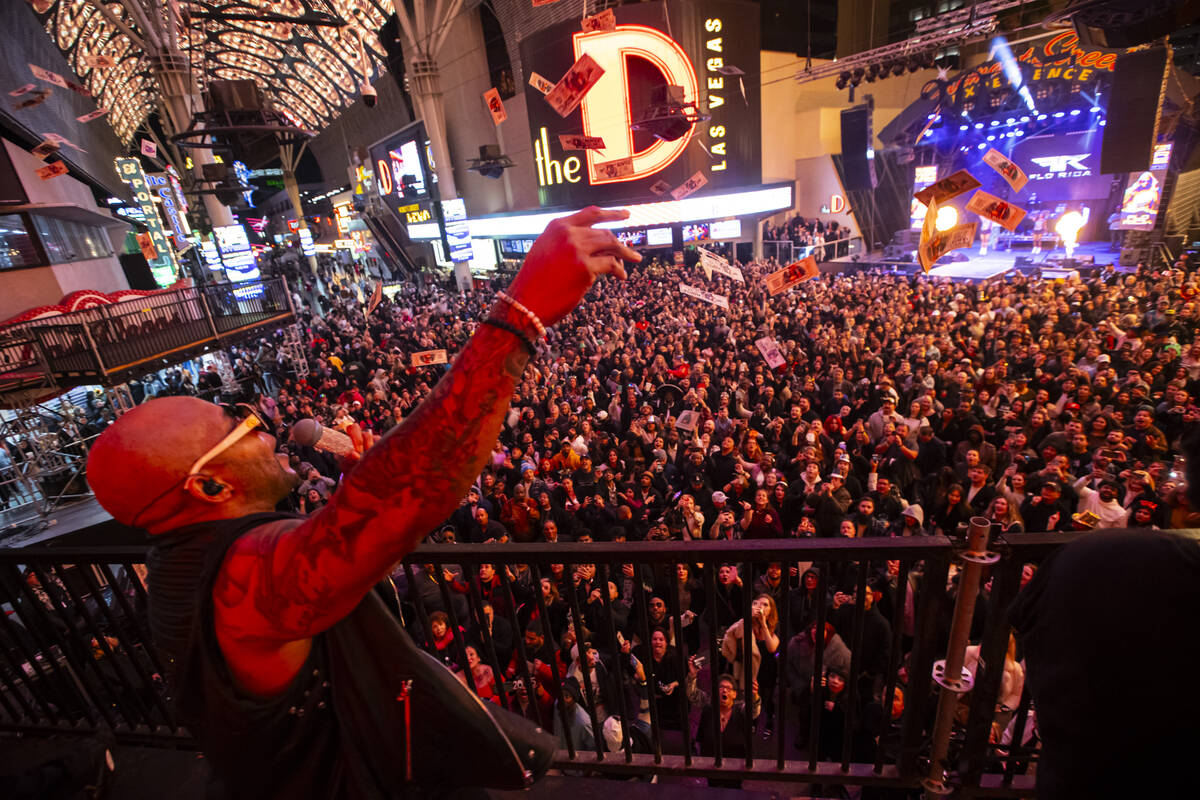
[719,300]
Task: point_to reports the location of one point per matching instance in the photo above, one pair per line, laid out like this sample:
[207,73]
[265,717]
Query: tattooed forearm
[308,578]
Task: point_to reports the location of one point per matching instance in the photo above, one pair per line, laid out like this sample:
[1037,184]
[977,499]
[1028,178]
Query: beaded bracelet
[504,326]
[537,323]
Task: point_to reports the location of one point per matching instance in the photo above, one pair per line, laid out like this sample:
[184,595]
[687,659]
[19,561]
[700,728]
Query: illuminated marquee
[163,267]
[706,39]
[606,109]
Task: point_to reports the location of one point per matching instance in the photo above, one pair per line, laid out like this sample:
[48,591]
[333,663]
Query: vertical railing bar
[456,630]
[415,598]
[651,681]
[476,598]
[548,633]
[749,646]
[681,647]
[889,695]
[933,591]
[522,656]
[714,652]
[816,701]
[128,610]
[581,648]
[785,622]
[618,662]
[852,683]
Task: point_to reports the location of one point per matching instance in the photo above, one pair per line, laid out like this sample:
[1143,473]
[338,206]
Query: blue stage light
[1095,109]
[1041,116]
[991,138]
[1024,119]
[1058,114]
[963,127]
[1020,133]
[1009,121]
[1075,112]
[978,126]
[1103,122]
[982,145]
[994,123]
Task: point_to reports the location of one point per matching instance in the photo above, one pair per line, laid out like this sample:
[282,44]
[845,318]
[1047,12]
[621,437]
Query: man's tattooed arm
[278,586]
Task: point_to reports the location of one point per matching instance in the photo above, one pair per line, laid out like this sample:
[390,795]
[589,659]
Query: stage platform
[978,267]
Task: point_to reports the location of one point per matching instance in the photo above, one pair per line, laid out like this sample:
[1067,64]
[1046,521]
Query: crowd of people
[904,407]
[809,236]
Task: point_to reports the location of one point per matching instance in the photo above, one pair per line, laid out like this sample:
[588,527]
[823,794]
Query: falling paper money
[1008,170]
[710,262]
[615,170]
[795,273]
[541,84]
[149,149]
[568,92]
[102,62]
[29,87]
[574,141]
[995,209]
[606,20]
[928,229]
[661,187]
[952,186]
[52,170]
[721,301]
[48,76]
[428,357]
[45,149]
[61,140]
[97,114]
[495,105]
[939,244]
[79,89]
[771,352]
[34,99]
[690,186]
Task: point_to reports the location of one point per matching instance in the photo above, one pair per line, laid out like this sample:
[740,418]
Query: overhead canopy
[309,72]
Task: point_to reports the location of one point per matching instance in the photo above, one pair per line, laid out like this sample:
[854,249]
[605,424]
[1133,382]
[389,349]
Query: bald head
[148,451]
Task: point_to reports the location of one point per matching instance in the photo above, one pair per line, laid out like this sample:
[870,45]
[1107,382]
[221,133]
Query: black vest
[341,729]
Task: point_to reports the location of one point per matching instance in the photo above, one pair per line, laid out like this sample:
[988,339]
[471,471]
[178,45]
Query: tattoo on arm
[303,580]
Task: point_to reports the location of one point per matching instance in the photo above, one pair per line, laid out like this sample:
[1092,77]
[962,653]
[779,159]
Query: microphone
[311,433]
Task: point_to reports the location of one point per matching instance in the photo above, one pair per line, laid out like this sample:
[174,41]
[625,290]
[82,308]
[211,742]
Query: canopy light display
[309,70]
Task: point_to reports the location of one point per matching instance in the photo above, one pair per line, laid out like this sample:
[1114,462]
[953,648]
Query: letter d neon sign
[605,108]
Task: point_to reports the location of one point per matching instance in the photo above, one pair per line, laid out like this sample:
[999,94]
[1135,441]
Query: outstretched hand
[565,261]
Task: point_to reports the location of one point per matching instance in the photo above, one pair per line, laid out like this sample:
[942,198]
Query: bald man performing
[283,663]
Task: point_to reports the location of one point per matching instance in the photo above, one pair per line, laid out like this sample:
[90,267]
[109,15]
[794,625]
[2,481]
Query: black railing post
[816,701]
[889,694]
[853,684]
[548,635]
[581,648]
[925,648]
[714,652]
[619,664]
[684,659]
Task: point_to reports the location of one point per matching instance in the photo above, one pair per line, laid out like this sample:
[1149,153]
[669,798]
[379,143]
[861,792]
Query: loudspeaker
[903,129]
[858,151]
[1133,107]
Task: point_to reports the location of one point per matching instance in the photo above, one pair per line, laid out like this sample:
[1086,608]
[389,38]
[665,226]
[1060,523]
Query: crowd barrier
[75,652]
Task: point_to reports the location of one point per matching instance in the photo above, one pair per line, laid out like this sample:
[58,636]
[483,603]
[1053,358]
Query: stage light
[994,123]
[981,145]
[978,126]
[1067,227]
[991,138]
[963,127]
[1020,133]
[947,218]
[1075,112]
[1103,122]
[1024,119]
[1095,109]
[1010,121]
[1059,114]
[1041,117]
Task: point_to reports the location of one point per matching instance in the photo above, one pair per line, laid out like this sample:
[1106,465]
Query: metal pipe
[949,673]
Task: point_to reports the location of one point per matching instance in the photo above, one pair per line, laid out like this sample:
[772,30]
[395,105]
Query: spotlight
[1024,119]
[994,123]
[981,145]
[1020,133]
[978,126]
[898,68]
[991,138]
[1041,117]
[1059,114]
[843,79]
[857,77]
[1075,112]
[1095,109]
[1009,121]
[963,127]
[1103,122]
[947,218]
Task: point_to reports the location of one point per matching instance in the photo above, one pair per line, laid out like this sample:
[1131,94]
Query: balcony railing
[75,652]
[111,343]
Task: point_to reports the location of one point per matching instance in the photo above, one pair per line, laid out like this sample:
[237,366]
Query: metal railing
[75,653]
[107,342]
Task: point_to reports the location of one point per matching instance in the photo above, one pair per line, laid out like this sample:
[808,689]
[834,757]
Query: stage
[976,267]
